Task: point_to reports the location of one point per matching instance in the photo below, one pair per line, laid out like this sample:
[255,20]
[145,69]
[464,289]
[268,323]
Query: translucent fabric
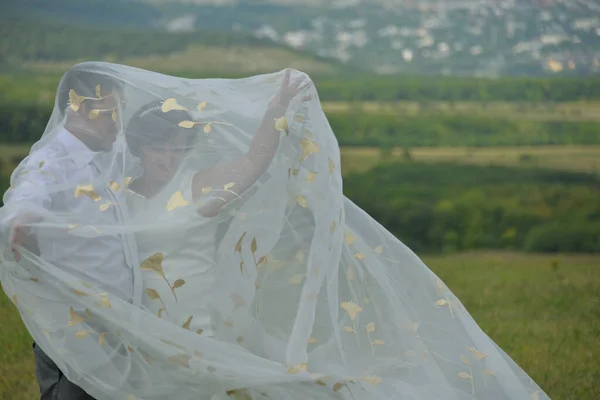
[189,239]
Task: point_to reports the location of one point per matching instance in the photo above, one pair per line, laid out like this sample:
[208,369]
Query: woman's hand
[288,91]
[20,235]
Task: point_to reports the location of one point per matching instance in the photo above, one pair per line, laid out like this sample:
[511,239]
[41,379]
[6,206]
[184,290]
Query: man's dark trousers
[53,384]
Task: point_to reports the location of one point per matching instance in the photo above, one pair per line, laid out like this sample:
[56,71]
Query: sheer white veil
[309,298]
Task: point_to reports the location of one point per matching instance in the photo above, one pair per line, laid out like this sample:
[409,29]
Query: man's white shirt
[107,260]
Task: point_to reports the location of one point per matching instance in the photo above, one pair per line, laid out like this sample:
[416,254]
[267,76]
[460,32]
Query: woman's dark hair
[151,126]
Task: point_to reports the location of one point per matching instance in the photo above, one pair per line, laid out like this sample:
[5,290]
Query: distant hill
[105,13]
[52,46]
[465,38]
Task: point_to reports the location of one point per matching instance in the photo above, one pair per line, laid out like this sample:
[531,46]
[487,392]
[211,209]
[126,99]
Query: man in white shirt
[77,153]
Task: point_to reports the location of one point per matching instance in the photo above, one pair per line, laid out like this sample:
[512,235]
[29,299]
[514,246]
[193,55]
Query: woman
[154,135]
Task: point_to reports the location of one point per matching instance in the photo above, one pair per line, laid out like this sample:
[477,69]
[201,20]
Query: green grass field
[568,111]
[567,158]
[542,310]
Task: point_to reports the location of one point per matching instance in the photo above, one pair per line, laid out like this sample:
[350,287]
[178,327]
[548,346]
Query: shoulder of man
[43,166]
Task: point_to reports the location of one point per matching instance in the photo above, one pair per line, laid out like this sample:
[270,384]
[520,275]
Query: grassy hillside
[535,111]
[565,158]
[205,60]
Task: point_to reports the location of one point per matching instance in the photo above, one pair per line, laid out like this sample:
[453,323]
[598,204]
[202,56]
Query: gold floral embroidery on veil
[154,264]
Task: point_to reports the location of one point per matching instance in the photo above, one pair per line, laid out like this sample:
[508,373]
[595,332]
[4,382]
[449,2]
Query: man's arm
[30,184]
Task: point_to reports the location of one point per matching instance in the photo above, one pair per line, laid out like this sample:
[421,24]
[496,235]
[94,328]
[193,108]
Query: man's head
[92,101]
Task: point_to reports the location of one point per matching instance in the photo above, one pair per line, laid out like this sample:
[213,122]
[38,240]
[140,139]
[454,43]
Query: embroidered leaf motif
[302,201]
[186,324]
[373,380]
[310,177]
[262,260]
[171,104]
[480,355]
[178,283]
[238,246]
[80,293]
[297,368]
[75,100]
[187,124]
[350,239]
[338,386]
[104,301]
[352,309]
[177,201]
[281,124]
[154,264]
[81,334]
[74,317]
[308,147]
[86,190]
[152,294]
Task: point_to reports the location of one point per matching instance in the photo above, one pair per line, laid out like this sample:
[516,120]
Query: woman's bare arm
[238,175]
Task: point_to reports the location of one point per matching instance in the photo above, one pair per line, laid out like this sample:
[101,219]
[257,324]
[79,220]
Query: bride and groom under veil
[189,239]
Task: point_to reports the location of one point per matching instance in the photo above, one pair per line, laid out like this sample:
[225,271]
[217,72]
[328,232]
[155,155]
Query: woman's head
[157,139]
